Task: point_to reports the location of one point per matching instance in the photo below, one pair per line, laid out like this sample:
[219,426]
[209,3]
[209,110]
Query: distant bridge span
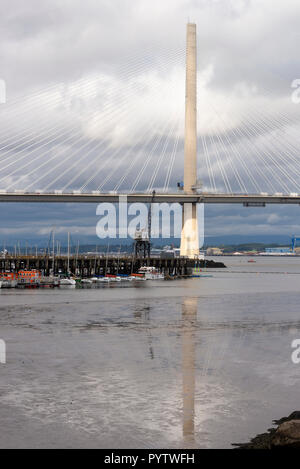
[254,200]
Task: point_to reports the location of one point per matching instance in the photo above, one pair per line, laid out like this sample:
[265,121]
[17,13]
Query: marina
[87,270]
[35,279]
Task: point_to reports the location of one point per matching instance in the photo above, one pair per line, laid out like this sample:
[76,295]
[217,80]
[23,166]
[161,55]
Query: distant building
[155,252]
[281,250]
[214,252]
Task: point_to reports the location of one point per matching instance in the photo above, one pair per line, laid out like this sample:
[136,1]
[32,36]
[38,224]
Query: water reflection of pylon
[189,316]
[144,312]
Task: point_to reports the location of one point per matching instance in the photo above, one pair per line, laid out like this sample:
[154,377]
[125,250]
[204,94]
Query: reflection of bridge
[189,319]
[207,198]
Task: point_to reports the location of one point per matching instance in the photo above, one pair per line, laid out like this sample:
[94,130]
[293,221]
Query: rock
[261,441]
[287,435]
[293,416]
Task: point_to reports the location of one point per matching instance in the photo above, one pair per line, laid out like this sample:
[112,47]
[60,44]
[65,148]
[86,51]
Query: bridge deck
[254,199]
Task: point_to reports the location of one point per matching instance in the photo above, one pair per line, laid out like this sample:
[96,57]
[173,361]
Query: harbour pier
[89,266]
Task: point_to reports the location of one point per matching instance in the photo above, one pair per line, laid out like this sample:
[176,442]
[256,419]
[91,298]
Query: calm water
[188,363]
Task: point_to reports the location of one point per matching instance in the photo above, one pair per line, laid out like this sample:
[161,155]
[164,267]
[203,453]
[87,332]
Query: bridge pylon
[189,245]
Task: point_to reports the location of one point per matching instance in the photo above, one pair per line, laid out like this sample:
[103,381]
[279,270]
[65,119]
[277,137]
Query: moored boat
[8,279]
[29,278]
[148,273]
[138,277]
[86,281]
[67,281]
[104,279]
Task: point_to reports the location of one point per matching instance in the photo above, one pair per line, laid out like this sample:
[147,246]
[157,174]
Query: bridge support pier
[189,245]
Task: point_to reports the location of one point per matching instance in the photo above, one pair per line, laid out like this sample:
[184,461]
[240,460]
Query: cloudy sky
[95,101]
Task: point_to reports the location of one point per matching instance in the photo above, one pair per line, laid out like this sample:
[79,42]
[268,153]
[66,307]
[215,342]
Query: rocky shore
[286,435]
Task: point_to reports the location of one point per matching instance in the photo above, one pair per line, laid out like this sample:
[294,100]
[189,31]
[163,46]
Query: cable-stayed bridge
[99,137]
[96,136]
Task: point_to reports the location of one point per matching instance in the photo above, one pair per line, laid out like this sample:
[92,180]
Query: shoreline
[285,436]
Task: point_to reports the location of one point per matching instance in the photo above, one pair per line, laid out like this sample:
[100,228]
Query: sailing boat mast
[53,248]
[68,268]
[106,263]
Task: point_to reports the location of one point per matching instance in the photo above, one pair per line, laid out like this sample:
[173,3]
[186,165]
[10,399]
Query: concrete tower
[189,236]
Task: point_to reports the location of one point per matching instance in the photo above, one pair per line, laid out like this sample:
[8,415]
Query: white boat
[115,279]
[94,279]
[86,281]
[67,281]
[8,283]
[127,279]
[150,273]
[103,279]
[1,283]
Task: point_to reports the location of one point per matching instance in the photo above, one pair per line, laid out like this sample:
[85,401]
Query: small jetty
[85,266]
